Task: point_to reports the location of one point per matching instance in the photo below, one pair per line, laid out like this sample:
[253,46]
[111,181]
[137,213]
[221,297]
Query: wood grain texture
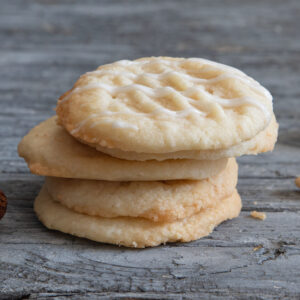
[45,45]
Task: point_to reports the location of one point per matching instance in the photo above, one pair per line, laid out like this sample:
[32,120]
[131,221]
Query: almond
[297,181]
[3,204]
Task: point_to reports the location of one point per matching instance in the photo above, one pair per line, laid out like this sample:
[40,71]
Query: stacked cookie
[141,152]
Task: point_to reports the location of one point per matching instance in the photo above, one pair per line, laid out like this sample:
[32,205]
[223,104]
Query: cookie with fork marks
[164,105]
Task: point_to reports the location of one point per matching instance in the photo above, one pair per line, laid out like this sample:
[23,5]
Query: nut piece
[258,215]
[3,204]
[297,182]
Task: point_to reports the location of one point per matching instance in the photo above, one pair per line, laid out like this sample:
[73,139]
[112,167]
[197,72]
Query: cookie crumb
[257,248]
[258,215]
[297,181]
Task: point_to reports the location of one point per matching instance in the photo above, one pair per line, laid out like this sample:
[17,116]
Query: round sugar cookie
[163,105]
[262,142]
[159,201]
[134,232]
[50,151]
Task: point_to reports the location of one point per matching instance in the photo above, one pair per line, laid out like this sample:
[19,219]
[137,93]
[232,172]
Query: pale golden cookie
[262,142]
[163,105]
[160,201]
[50,151]
[134,232]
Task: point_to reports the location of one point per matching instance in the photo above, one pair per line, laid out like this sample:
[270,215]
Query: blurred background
[45,45]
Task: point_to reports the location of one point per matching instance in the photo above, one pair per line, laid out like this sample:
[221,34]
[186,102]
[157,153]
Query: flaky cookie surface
[50,151]
[163,105]
[134,232]
[159,201]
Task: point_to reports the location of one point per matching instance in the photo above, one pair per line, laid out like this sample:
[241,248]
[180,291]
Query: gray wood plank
[45,45]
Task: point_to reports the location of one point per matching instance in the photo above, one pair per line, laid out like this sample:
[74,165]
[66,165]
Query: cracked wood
[46,45]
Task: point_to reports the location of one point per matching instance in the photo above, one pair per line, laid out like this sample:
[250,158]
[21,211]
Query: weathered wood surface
[46,45]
